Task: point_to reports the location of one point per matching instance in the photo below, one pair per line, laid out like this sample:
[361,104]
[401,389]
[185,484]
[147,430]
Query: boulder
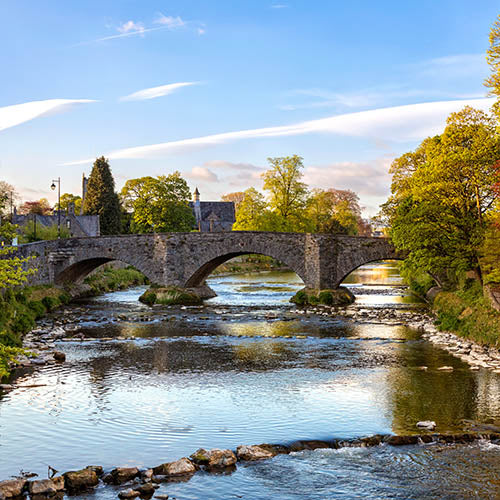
[146,490]
[12,488]
[221,458]
[80,480]
[200,456]
[252,453]
[59,356]
[121,475]
[429,425]
[181,467]
[130,493]
[97,469]
[46,487]
[401,440]
[275,449]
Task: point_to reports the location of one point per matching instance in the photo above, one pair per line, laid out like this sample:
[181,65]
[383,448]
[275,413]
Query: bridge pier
[185,260]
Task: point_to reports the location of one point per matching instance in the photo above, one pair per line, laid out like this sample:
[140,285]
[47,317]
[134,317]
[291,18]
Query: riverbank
[136,481]
[20,309]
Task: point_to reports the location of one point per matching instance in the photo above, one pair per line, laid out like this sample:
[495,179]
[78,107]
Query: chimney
[84,191]
[71,208]
[197,208]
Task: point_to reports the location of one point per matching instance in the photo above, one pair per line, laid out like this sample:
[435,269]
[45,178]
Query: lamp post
[53,186]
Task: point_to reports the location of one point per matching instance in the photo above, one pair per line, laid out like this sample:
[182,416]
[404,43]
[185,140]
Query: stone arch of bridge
[344,274]
[206,268]
[78,271]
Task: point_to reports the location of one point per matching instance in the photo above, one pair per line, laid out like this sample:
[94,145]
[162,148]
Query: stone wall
[185,259]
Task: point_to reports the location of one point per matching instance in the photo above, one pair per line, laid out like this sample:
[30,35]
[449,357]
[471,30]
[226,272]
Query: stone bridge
[322,261]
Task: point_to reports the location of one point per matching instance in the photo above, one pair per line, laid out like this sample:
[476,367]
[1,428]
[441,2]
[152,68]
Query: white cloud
[365,178]
[16,114]
[202,174]
[233,166]
[154,92]
[455,66]
[131,26]
[169,21]
[123,35]
[279,6]
[397,124]
[201,31]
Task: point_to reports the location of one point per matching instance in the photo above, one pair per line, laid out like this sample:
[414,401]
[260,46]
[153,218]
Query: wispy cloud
[233,166]
[16,114]
[155,92]
[279,6]
[169,21]
[452,66]
[396,124]
[124,35]
[131,26]
[202,174]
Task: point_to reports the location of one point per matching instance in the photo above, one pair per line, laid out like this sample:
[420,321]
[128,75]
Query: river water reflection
[246,369]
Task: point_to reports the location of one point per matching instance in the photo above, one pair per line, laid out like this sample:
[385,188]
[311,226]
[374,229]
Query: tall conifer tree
[101,198]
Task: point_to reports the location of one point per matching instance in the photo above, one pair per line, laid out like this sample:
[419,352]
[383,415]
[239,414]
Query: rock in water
[130,493]
[181,467]
[252,453]
[80,480]
[12,488]
[430,425]
[221,458]
[122,475]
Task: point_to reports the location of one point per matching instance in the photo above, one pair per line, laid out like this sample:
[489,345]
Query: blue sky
[347,85]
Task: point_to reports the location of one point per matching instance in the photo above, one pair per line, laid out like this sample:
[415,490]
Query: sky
[213,88]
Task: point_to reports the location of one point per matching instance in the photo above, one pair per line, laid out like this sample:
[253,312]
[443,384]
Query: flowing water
[152,385]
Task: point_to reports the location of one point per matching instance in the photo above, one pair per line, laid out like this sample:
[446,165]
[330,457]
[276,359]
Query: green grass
[467,313]
[110,279]
[169,296]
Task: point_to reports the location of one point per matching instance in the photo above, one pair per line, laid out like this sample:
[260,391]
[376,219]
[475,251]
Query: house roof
[223,210]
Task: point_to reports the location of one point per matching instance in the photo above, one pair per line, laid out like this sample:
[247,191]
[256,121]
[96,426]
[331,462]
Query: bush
[37,307]
[50,303]
[300,298]
[325,297]
[148,298]
[23,322]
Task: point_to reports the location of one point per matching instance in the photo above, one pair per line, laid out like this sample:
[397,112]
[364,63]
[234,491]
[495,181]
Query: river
[147,386]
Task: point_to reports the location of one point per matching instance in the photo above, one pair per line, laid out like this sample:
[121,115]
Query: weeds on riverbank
[18,312]
[467,313]
[110,279]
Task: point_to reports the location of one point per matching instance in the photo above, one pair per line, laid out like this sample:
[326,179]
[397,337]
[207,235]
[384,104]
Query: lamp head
[53,186]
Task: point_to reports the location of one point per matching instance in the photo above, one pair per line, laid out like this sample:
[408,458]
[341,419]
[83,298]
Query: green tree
[249,215]
[493,58]
[101,198]
[333,211]
[438,214]
[287,194]
[159,204]
[68,198]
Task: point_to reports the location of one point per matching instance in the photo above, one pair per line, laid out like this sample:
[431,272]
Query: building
[77,225]
[212,216]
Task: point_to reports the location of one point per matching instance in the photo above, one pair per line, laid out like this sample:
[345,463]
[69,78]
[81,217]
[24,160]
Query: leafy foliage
[40,207]
[101,198]
[159,204]
[442,195]
[68,198]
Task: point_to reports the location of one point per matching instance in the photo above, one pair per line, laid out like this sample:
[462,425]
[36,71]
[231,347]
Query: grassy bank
[467,313]
[111,279]
[19,309]
[250,263]
[18,312]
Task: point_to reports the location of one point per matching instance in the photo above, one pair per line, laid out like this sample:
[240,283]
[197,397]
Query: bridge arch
[386,259]
[201,274]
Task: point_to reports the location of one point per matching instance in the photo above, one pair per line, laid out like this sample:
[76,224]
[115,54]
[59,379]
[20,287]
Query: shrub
[325,297]
[50,303]
[300,298]
[37,307]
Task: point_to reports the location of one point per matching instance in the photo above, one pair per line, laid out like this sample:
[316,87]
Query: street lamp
[53,186]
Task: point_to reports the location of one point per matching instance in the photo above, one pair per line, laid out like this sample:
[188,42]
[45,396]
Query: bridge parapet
[322,261]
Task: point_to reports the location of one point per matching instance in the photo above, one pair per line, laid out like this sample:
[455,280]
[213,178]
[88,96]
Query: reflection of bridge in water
[185,260]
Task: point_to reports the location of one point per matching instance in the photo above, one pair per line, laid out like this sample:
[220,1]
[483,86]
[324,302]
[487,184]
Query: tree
[159,204]
[101,198]
[251,212]
[68,198]
[40,207]
[333,211]
[287,194]
[493,58]
[236,198]
[8,197]
[439,213]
